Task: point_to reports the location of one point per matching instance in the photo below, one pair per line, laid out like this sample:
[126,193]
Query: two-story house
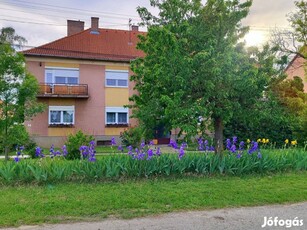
[84,82]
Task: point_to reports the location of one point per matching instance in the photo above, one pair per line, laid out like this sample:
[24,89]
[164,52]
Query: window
[117,115]
[61,75]
[61,115]
[117,78]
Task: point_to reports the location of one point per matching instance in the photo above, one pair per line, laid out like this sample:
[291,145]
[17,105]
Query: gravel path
[222,219]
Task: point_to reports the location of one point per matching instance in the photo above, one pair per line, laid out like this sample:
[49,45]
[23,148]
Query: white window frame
[53,70]
[117,78]
[116,110]
[61,109]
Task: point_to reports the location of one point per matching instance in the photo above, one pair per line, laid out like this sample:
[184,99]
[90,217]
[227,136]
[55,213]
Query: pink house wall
[89,112]
[297,68]
[38,124]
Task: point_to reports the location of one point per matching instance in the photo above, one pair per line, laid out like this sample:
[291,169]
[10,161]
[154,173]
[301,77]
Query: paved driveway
[222,219]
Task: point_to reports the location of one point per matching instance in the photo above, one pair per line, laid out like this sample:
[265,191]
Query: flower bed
[148,161]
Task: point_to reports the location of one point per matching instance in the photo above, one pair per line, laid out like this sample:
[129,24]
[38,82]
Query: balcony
[63,90]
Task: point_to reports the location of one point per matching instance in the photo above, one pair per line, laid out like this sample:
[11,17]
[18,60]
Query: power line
[50,24]
[38,23]
[69,10]
[77,9]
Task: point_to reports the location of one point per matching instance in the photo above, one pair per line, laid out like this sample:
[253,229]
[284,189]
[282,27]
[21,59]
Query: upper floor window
[61,115]
[117,78]
[61,75]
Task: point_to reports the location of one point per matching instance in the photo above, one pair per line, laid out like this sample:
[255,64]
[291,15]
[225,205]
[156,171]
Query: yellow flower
[267,141]
[294,142]
[248,141]
[287,141]
[259,140]
[263,140]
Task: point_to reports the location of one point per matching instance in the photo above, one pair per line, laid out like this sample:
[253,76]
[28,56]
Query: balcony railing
[63,90]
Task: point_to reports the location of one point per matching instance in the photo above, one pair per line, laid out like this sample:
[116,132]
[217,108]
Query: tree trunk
[6,153]
[218,135]
[6,150]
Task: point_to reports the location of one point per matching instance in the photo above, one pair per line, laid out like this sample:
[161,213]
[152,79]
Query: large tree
[18,89]
[293,41]
[194,72]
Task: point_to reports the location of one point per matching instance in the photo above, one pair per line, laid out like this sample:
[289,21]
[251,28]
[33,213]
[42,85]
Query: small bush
[30,148]
[18,136]
[74,142]
[132,136]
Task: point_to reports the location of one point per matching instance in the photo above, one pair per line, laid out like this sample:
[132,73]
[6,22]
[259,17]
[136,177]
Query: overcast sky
[43,21]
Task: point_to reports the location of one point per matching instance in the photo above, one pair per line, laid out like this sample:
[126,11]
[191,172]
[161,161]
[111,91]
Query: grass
[54,203]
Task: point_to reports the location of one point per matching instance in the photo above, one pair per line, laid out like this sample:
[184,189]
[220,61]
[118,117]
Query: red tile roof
[108,45]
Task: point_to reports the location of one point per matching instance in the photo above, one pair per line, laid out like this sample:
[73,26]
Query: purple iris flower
[16,159]
[149,154]
[228,144]
[129,148]
[51,150]
[173,144]
[141,156]
[64,149]
[233,149]
[254,147]
[181,153]
[113,142]
[38,152]
[158,152]
[92,159]
[241,145]
[120,148]
[84,150]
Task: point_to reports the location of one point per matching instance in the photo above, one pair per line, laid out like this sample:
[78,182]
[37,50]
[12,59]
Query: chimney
[94,25]
[74,27]
[134,28]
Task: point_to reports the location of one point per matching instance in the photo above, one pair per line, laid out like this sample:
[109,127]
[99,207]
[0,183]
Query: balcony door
[64,76]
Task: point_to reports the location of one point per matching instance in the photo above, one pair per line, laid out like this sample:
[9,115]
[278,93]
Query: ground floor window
[117,115]
[61,115]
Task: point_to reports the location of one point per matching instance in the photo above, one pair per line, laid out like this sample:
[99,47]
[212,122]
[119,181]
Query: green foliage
[265,119]
[293,41]
[298,21]
[73,143]
[132,136]
[292,97]
[195,74]
[18,136]
[18,89]
[123,166]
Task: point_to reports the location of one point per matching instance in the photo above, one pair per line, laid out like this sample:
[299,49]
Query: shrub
[132,136]
[74,142]
[19,137]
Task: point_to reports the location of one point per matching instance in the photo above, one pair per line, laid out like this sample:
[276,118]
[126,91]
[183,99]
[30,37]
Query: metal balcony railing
[63,90]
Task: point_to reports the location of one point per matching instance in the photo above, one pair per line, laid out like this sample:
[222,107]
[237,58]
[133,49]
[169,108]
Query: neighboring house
[298,67]
[84,81]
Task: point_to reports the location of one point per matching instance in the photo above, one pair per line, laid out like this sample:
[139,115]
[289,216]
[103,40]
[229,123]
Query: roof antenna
[130,42]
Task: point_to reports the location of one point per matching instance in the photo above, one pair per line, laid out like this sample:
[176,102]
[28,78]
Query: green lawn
[81,201]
